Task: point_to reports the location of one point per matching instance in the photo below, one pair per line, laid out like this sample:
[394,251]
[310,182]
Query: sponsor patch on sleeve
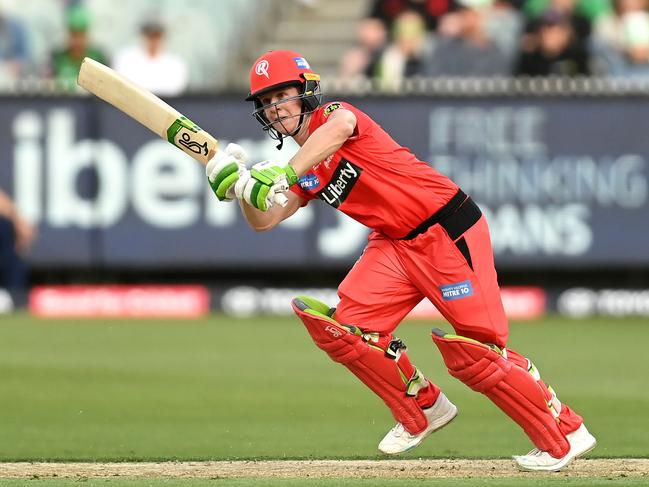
[331,107]
[309,181]
[458,290]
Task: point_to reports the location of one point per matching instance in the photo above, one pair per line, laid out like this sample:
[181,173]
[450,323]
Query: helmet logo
[262,68]
[300,62]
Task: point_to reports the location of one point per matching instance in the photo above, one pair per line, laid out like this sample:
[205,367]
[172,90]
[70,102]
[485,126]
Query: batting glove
[271,174]
[225,169]
[255,193]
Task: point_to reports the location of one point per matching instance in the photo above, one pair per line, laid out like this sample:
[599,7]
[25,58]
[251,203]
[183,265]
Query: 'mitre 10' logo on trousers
[456,291]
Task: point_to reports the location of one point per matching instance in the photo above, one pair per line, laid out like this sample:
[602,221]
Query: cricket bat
[150,111]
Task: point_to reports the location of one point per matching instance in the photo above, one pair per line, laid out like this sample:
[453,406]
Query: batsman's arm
[261,221]
[324,141]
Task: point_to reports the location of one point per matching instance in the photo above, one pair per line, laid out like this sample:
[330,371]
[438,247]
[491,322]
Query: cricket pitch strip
[418,468]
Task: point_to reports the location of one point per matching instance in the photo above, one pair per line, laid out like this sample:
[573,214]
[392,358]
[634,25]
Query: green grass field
[96,390]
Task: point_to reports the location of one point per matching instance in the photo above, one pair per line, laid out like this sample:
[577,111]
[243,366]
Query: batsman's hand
[257,194]
[225,169]
[272,174]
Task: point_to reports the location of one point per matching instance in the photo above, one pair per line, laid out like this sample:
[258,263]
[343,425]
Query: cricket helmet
[280,69]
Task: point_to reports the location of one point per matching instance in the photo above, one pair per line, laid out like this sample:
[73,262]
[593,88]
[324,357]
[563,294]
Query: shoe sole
[558,466]
[446,420]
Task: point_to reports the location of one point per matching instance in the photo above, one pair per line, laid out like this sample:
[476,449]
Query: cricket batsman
[429,240]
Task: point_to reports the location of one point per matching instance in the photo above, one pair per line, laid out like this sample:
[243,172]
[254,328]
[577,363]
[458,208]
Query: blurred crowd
[397,39]
[406,38]
[148,62]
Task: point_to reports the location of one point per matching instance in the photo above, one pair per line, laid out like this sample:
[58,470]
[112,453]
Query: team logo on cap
[262,68]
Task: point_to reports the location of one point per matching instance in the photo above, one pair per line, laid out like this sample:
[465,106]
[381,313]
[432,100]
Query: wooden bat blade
[148,109]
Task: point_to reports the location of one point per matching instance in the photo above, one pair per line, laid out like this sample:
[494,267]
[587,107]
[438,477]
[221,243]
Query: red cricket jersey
[373,179]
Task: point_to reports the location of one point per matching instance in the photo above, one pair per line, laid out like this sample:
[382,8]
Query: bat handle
[280,199]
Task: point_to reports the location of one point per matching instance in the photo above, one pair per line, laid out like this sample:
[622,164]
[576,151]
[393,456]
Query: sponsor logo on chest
[341,183]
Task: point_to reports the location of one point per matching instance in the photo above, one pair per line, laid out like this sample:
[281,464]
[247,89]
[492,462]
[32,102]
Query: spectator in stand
[621,43]
[553,49]
[463,45]
[361,61]
[16,237]
[503,23]
[430,10]
[65,63]
[151,65]
[580,14]
[13,48]
[404,57]
[591,10]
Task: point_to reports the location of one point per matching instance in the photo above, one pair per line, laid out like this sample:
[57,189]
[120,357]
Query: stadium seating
[204,35]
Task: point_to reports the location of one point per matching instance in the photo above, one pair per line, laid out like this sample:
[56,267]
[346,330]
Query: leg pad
[379,361]
[513,389]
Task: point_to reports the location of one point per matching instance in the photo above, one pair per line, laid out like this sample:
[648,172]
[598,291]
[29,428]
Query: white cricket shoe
[581,442]
[398,440]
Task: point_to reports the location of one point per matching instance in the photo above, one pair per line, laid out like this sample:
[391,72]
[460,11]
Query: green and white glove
[225,169]
[264,185]
[271,174]
[255,193]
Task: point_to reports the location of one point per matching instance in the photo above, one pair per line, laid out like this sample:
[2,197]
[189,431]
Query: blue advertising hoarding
[563,182]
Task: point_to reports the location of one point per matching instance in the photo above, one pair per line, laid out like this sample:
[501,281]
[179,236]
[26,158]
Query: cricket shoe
[581,442]
[398,440]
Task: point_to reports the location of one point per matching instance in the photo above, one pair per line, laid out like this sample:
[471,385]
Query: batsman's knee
[347,343]
[476,364]
[340,342]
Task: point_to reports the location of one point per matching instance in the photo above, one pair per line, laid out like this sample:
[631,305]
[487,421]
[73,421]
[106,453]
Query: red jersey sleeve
[297,189]
[319,117]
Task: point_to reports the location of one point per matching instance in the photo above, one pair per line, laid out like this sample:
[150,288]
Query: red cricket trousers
[452,267]
[393,276]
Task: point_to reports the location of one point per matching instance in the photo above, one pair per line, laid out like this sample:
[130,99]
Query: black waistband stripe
[456,216]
